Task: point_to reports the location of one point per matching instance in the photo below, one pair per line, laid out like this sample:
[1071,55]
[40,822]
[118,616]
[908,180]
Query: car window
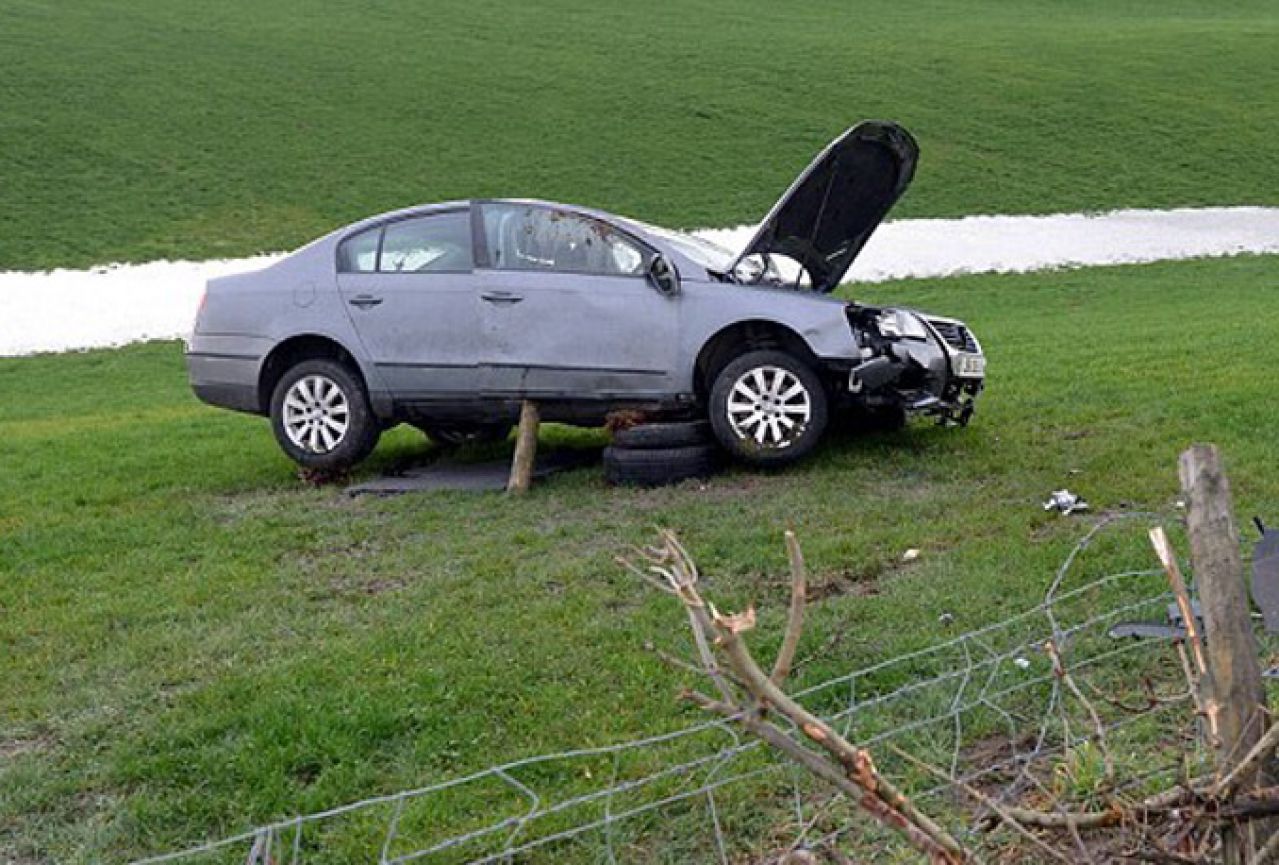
[531,237]
[441,241]
[358,254]
[438,242]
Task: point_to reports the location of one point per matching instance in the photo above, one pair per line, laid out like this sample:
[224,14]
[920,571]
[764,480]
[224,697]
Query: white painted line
[104,306]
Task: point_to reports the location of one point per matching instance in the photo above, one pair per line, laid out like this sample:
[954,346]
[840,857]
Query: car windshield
[709,255]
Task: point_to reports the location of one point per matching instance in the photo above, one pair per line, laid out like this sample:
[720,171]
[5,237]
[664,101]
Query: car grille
[955,334]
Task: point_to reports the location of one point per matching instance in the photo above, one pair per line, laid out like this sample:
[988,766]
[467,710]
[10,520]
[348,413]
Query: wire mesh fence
[1044,706]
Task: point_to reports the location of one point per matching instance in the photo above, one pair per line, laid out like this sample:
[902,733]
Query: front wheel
[321,416]
[768,408]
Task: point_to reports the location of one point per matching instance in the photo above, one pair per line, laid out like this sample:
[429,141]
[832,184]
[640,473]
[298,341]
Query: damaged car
[447,316]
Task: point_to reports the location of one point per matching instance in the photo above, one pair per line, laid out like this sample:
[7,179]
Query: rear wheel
[321,416]
[768,408]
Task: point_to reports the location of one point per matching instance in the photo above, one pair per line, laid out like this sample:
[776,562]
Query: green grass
[136,129]
[191,642]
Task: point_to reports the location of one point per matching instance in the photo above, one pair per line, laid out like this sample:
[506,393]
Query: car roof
[435,207]
[631,226]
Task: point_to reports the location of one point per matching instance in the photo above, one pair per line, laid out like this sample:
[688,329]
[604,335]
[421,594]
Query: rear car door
[566,309]
[409,290]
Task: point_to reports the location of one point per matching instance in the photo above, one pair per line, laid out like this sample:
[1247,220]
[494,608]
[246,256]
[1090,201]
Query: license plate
[969,365]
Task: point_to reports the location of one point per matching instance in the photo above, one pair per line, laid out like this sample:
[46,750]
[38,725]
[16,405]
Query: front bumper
[937,371]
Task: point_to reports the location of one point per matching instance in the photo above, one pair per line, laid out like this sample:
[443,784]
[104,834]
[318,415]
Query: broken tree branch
[1199,675]
[795,616]
[1168,558]
[831,773]
[1268,852]
[853,771]
[1099,729]
[998,810]
[1264,747]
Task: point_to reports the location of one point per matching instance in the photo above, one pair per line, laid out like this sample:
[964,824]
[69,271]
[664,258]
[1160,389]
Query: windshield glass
[709,255]
[773,270]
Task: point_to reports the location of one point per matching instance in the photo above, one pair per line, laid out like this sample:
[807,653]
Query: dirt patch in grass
[13,747]
[859,583]
[350,585]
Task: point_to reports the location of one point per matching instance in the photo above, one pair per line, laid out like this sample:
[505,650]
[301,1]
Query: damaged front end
[916,363]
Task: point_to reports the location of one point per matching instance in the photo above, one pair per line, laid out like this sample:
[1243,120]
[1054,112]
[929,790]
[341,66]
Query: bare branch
[1168,558]
[998,810]
[828,771]
[1264,747]
[795,616]
[875,794]
[1099,729]
[660,584]
[1268,852]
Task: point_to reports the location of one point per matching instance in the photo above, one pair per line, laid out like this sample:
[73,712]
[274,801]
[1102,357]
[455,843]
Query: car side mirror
[663,276]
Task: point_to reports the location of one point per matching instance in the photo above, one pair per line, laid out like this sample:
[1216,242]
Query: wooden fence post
[1237,695]
[525,449]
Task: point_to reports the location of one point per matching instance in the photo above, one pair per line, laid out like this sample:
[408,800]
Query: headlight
[899,322]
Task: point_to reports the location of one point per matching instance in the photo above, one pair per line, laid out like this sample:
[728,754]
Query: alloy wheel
[316,414]
[769,405]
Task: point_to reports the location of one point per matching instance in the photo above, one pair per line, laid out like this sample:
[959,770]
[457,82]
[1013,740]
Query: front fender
[820,321]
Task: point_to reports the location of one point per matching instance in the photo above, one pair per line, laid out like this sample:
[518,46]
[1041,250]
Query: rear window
[358,254]
[436,242]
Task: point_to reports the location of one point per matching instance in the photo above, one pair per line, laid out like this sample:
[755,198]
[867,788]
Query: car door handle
[364,301]
[501,297]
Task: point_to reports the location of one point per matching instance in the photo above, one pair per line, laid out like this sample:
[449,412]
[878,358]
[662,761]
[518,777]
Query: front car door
[409,289]
[566,309]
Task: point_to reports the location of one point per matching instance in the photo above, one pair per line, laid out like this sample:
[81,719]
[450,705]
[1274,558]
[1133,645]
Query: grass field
[138,129]
[191,642]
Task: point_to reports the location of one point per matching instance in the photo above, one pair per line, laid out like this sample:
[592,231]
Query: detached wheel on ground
[648,436]
[655,467]
[768,408]
[453,435]
[321,417]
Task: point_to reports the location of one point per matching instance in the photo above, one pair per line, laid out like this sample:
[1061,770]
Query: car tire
[755,396]
[655,467]
[453,435]
[321,417]
[649,436]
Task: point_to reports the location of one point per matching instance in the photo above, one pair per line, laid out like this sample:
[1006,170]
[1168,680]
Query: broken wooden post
[1234,671]
[525,449]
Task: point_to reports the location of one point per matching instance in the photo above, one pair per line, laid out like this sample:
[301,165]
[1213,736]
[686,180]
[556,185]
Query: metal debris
[1265,575]
[1173,627]
[1066,502]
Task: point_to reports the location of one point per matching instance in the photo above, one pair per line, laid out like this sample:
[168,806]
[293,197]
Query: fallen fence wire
[988,710]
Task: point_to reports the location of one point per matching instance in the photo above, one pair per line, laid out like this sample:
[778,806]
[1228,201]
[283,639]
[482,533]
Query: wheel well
[737,339]
[294,350]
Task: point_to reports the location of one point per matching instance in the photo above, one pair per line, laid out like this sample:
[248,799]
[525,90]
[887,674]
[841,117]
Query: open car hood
[831,209]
